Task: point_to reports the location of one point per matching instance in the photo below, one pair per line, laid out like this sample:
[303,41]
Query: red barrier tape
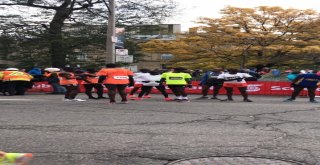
[254,88]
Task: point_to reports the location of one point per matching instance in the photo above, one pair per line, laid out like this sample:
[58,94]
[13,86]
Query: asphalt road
[154,132]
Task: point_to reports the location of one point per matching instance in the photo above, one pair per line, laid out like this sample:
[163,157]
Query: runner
[138,82]
[116,78]
[177,81]
[69,81]
[309,81]
[150,81]
[209,79]
[234,79]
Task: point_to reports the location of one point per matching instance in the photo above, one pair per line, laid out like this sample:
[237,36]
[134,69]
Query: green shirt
[176,78]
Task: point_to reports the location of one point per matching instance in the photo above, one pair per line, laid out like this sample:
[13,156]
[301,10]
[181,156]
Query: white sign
[121,52]
[126,59]
[133,68]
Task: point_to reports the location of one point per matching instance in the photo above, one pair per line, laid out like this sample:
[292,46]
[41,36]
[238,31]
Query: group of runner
[116,79]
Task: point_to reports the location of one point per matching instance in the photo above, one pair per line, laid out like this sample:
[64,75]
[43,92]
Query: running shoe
[168,99]
[147,96]
[288,100]
[227,100]
[136,98]
[247,100]
[67,100]
[94,98]
[131,96]
[79,100]
[124,102]
[214,98]
[202,97]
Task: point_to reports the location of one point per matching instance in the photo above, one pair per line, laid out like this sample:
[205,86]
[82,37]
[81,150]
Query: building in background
[144,33]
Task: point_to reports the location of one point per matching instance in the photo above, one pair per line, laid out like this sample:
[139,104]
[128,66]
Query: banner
[254,88]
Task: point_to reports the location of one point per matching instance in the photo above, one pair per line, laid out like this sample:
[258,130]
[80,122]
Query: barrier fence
[254,88]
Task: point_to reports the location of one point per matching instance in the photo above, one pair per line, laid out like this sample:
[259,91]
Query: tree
[89,11]
[245,37]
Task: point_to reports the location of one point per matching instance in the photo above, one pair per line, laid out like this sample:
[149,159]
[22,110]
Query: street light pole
[110,44]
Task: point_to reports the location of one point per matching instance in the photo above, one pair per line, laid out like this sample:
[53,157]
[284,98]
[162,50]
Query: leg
[88,90]
[111,92]
[216,89]
[11,87]
[229,92]
[99,89]
[134,90]
[243,91]
[162,89]
[144,90]
[205,90]
[74,91]
[297,90]
[121,89]
[174,90]
[311,93]
[67,94]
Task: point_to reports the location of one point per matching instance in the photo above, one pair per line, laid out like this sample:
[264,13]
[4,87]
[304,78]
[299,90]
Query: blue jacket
[35,71]
[307,80]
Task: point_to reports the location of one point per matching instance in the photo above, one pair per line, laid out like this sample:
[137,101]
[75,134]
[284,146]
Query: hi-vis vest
[15,76]
[91,77]
[70,79]
[176,78]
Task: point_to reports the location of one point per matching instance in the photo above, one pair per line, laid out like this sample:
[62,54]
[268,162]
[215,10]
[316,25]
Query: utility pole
[110,44]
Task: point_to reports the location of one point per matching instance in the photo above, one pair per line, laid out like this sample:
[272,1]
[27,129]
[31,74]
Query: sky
[190,10]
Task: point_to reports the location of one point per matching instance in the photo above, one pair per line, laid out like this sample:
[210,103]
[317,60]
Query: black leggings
[178,90]
[298,89]
[243,91]
[89,87]
[147,89]
[135,89]
[216,89]
[72,91]
[112,90]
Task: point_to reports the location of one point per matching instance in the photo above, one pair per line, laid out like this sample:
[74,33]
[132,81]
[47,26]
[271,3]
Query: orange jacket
[115,75]
[67,78]
[8,75]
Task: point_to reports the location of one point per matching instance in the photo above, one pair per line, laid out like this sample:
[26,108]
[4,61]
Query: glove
[189,85]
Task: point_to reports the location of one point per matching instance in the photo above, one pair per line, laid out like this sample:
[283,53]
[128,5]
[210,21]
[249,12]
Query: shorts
[237,85]
[138,85]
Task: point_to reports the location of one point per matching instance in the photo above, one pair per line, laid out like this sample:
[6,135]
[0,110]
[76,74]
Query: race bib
[175,78]
[121,77]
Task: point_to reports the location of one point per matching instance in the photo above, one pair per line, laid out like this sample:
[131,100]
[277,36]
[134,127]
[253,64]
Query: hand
[189,85]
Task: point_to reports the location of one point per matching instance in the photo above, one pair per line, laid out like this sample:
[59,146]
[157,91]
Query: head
[217,70]
[68,69]
[154,72]
[233,71]
[91,70]
[179,69]
[111,65]
[144,70]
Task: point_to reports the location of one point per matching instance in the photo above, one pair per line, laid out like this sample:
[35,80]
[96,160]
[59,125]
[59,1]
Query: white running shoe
[80,100]
[67,100]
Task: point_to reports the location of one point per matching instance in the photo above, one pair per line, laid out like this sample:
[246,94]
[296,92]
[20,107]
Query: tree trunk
[58,50]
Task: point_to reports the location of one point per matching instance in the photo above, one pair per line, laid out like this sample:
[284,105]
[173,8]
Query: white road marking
[17,99]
